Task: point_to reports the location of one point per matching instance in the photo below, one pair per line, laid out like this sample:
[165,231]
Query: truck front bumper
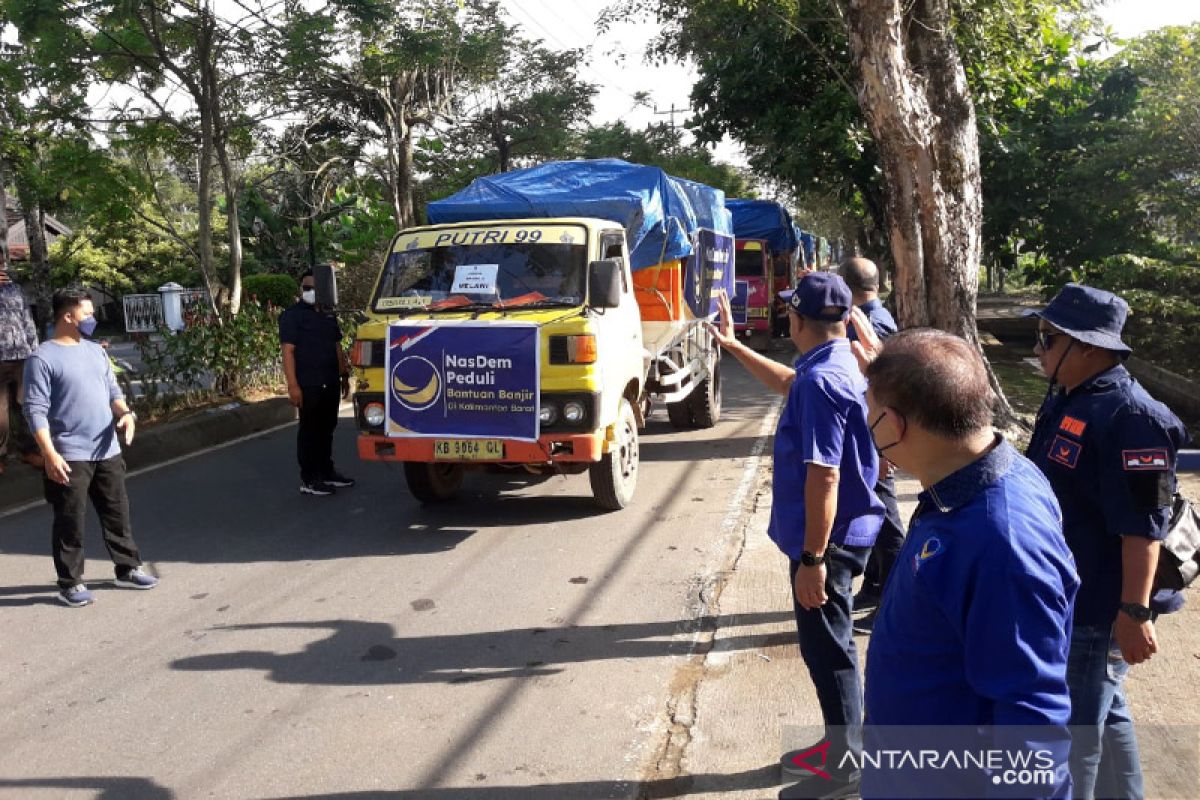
[552,448]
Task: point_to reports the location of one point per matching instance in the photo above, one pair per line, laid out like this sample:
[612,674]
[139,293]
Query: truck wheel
[680,414]
[705,399]
[433,483]
[614,476]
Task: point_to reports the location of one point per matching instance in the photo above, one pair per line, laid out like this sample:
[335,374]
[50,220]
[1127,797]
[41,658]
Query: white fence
[146,313]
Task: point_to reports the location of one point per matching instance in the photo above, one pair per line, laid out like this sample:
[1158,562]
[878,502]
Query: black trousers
[102,482]
[314,435]
[890,540]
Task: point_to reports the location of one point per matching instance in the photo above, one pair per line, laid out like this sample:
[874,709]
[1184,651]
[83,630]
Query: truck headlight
[574,412]
[548,413]
[373,414]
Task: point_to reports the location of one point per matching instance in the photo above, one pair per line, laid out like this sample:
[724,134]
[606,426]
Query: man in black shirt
[318,377]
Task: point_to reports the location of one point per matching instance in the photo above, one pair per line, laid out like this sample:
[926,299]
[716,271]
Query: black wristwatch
[1137,611]
[810,560]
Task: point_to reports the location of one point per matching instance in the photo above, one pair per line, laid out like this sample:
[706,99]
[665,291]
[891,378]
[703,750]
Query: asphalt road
[517,643]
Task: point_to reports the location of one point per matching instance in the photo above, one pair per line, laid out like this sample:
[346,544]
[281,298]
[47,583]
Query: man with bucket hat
[825,514]
[1108,449]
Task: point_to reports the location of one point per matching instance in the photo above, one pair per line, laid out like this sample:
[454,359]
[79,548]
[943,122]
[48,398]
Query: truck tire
[705,399]
[433,483]
[680,414]
[614,476]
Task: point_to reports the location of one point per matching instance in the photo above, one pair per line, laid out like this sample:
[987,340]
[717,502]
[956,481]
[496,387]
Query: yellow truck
[534,322]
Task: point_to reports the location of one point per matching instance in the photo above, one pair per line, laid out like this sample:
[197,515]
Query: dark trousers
[103,482]
[314,435]
[12,427]
[888,543]
[828,649]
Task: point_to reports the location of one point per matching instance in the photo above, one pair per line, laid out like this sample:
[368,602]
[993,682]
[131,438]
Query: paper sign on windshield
[475,279]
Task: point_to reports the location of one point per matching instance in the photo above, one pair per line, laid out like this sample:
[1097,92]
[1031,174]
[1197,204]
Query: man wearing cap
[824,514]
[862,276]
[1108,449]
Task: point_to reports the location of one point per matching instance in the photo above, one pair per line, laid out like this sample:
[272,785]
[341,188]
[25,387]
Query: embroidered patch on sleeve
[1153,458]
[1065,452]
[1073,426]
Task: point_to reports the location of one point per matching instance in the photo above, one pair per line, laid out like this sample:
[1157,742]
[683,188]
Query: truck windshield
[501,275]
[749,264]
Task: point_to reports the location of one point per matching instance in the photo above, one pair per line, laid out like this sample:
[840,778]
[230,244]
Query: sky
[617,63]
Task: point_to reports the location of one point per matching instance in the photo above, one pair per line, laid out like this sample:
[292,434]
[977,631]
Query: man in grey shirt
[75,409]
[18,339]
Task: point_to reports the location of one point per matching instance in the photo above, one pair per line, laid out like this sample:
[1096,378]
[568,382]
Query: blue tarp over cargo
[763,219]
[660,213]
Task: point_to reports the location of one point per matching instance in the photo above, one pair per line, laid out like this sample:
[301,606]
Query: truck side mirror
[604,283]
[325,284]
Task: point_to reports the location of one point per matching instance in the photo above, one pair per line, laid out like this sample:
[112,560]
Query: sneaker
[76,597]
[137,578]
[864,626]
[319,488]
[866,599]
[339,480]
[816,787]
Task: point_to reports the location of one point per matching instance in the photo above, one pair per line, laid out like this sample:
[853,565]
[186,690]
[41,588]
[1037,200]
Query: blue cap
[1093,316]
[818,291]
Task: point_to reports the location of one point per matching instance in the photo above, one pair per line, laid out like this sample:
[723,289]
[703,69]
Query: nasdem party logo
[416,383]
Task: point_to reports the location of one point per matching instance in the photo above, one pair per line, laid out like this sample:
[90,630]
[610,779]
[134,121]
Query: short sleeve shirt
[316,336]
[825,422]
[1108,449]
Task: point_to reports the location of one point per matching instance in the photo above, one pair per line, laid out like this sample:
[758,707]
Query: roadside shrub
[271,288]
[216,355]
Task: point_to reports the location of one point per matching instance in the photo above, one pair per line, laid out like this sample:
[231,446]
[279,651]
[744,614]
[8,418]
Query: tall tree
[393,69]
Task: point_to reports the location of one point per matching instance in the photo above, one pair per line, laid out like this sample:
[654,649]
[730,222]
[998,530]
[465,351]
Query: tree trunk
[35,230]
[404,179]
[4,218]
[913,92]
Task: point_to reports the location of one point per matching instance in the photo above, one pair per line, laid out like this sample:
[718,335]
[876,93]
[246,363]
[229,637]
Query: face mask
[87,326]
[878,420]
[309,296]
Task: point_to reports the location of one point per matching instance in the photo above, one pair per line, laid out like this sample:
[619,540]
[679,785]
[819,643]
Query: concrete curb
[160,443]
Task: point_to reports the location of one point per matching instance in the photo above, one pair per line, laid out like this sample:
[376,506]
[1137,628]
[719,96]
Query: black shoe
[866,599]
[339,480]
[817,787]
[864,626]
[319,488]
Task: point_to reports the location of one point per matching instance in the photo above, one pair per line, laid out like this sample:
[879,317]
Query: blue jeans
[827,647]
[1104,750]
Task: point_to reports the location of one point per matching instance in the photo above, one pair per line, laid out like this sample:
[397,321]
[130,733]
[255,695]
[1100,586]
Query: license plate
[468,449]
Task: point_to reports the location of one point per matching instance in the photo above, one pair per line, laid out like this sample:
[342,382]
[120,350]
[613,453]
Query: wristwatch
[810,560]
[1137,611]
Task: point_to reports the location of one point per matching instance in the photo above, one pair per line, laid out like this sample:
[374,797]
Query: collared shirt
[881,320]
[974,624]
[317,336]
[1108,449]
[825,422]
[18,334]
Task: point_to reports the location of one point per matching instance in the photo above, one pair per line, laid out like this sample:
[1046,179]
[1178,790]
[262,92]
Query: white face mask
[309,296]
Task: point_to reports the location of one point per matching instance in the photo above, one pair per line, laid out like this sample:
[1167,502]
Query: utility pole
[671,112]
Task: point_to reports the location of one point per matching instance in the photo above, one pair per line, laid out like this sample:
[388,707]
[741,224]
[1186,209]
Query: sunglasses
[1045,339]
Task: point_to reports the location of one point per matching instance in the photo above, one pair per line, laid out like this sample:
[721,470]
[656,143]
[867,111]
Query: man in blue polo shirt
[970,643]
[824,514]
[1108,449]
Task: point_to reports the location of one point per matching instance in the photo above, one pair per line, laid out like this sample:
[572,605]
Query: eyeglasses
[1045,339]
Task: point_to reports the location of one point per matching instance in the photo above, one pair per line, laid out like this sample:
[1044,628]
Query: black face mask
[878,420]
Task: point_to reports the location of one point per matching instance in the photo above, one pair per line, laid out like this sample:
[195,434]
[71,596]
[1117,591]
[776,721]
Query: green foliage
[275,290]
[216,355]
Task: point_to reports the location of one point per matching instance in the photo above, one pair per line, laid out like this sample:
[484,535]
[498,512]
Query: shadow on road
[105,788]
[762,778]
[358,653]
